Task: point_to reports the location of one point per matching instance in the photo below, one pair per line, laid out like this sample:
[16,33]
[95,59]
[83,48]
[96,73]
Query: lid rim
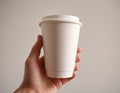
[79,23]
[60,16]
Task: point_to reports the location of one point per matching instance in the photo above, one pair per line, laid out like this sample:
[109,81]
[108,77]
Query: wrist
[23,89]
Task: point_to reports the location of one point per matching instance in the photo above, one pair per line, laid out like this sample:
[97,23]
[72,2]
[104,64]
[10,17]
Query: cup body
[60,40]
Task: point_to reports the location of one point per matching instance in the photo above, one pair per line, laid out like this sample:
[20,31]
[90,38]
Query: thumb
[35,51]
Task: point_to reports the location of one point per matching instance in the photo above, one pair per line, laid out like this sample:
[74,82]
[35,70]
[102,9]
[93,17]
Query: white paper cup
[60,39]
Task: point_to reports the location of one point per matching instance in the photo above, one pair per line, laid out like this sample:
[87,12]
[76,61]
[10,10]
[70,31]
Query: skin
[35,79]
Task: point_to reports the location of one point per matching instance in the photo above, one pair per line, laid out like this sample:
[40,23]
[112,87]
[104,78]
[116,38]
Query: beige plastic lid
[62,18]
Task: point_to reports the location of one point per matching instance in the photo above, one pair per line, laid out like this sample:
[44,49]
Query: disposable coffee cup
[60,41]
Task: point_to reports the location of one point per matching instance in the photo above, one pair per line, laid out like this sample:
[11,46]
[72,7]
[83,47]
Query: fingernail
[37,37]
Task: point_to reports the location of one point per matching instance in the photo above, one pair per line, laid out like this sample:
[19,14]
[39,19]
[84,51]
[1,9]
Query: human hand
[35,79]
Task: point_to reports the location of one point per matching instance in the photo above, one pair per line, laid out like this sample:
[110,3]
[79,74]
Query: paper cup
[60,40]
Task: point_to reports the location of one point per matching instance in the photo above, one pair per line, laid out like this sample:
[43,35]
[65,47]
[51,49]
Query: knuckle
[29,62]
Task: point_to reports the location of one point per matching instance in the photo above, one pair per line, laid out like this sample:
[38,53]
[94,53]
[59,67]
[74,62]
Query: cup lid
[63,18]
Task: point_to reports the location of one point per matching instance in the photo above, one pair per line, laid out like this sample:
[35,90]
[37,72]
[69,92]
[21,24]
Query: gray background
[99,70]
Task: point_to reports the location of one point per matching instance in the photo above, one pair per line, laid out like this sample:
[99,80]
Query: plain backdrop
[99,70]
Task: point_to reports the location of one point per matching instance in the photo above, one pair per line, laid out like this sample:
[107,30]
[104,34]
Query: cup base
[60,74]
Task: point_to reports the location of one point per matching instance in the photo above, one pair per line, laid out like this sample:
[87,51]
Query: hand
[35,79]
